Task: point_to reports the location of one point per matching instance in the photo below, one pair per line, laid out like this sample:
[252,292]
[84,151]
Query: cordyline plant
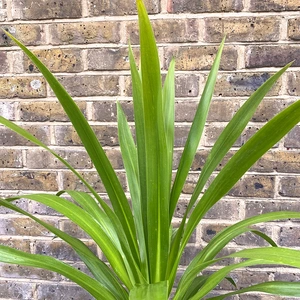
[142,248]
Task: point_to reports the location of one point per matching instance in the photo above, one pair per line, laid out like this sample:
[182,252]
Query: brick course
[85,44]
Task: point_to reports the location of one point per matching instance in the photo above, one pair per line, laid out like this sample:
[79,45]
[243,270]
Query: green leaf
[157,291]
[94,149]
[12,256]
[281,288]
[130,159]
[156,156]
[195,133]
[98,268]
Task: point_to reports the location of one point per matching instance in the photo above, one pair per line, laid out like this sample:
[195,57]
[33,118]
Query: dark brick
[180,6]
[16,290]
[292,140]
[114,7]
[289,236]
[46,9]
[289,186]
[254,186]
[244,29]
[212,132]
[274,5]
[72,229]
[272,56]
[225,210]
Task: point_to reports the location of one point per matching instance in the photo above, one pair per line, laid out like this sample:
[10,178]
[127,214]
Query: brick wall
[85,43]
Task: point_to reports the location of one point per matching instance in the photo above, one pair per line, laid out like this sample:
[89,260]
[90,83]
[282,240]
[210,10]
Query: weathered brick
[16,290]
[28,34]
[45,111]
[200,57]
[10,138]
[59,249]
[22,87]
[42,159]
[108,59]
[22,226]
[72,229]
[37,208]
[3,10]
[272,56]
[274,5]
[289,236]
[91,85]
[56,60]
[254,186]
[188,253]
[181,134]
[114,7]
[28,180]
[293,82]
[70,182]
[23,244]
[287,275]
[4,65]
[210,230]
[212,132]
[7,110]
[289,186]
[85,32]
[106,111]
[225,210]
[243,84]
[54,291]
[254,208]
[251,239]
[46,9]
[21,203]
[179,6]
[15,271]
[66,135]
[11,158]
[293,29]
[115,157]
[244,29]
[292,140]
[166,31]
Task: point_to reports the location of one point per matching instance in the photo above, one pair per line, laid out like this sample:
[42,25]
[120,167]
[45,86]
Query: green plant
[139,242]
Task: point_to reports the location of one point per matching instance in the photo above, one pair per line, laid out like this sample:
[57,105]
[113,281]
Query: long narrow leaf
[157,291]
[13,256]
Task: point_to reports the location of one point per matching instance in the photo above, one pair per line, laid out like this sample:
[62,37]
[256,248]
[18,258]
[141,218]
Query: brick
[181,6]
[42,159]
[14,271]
[225,210]
[22,203]
[272,56]
[268,109]
[4,65]
[59,249]
[188,253]
[7,110]
[27,180]
[254,186]
[3,10]
[67,136]
[10,138]
[16,290]
[28,34]
[274,5]
[289,236]
[41,209]
[116,8]
[72,229]
[85,33]
[293,82]
[108,59]
[115,157]
[22,87]
[70,182]
[11,158]
[289,186]
[292,140]
[243,84]
[181,134]
[200,57]
[54,291]
[167,31]
[91,85]
[212,132]
[293,29]
[244,29]
[254,208]
[45,111]
[56,60]
[46,9]
[23,244]
[210,230]
[22,226]
[291,276]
